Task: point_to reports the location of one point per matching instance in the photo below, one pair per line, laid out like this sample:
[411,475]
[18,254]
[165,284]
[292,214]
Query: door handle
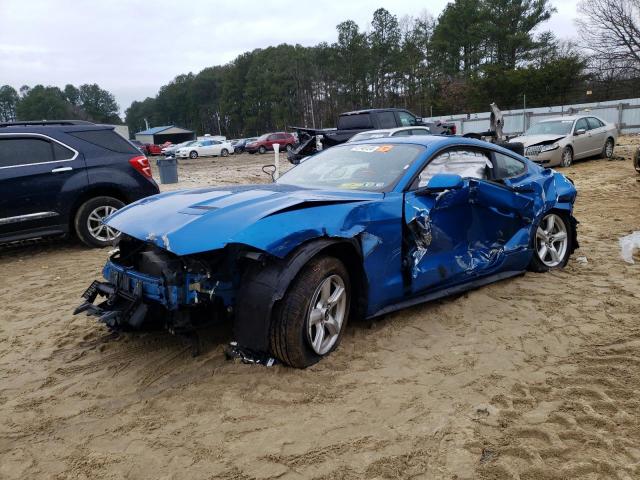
[61,169]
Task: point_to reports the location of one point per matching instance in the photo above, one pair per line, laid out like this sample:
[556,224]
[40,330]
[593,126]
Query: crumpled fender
[265,283]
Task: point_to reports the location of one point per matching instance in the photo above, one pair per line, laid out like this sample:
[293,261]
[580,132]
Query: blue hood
[192,221]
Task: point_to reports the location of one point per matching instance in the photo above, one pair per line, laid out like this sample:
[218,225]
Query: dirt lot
[536,377]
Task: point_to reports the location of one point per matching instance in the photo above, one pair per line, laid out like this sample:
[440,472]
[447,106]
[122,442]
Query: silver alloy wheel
[552,240]
[567,157]
[97,228]
[326,313]
[608,148]
[193,154]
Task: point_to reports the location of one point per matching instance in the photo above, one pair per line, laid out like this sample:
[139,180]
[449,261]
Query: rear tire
[552,242]
[224,152]
[607,151]
[87,225]
[297,324]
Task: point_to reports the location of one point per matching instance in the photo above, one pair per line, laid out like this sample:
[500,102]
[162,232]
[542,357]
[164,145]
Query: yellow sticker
[384,148]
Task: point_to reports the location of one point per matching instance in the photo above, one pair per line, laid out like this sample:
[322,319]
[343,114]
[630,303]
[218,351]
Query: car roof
[44,128]
[569,117]
[394,130]
[373,110]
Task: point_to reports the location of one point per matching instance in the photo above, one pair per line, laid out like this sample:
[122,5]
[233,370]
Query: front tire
[88,222]
[193,154]
[309,322]
[552,242]
[262,150]
[567,157]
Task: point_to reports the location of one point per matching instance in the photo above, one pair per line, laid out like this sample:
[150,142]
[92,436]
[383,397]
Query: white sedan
[205,148]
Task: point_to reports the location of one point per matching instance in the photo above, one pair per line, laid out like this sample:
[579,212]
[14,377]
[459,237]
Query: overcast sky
[133,47]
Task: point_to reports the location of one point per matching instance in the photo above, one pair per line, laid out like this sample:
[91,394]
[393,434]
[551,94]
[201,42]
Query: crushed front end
[148,287]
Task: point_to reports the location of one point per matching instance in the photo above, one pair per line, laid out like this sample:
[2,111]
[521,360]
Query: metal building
[167,133]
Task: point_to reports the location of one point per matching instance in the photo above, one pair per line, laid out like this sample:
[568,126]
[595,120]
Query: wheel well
[612,140]
[88,195]
[351,257]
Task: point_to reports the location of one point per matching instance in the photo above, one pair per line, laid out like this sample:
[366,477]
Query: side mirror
[580,131]
[444,181]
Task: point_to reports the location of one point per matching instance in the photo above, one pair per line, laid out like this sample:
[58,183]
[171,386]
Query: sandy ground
[536,377]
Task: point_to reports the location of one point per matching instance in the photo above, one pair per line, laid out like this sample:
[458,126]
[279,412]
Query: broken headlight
[552,146]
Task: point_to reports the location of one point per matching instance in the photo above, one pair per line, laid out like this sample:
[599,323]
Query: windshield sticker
[364,148]
[357,185]
[372,148]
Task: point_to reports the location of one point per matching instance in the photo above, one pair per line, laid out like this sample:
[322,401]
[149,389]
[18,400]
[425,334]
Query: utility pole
[524,112]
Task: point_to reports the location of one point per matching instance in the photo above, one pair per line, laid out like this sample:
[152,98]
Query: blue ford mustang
[358,230]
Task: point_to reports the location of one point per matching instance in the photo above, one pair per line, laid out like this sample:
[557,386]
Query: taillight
[141,164]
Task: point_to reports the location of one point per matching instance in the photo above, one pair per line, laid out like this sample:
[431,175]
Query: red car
[268,140]
[153,149]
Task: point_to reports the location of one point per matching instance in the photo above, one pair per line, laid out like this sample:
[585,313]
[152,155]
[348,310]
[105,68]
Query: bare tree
[610,30]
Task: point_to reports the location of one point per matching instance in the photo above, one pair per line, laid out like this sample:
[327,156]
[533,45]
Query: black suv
[66,176]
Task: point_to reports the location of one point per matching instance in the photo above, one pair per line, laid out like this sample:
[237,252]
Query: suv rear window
[106,139]
[357,120]
[23,151]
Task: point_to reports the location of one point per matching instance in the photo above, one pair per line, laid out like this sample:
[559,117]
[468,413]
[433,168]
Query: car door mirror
[443,181]
[580,131]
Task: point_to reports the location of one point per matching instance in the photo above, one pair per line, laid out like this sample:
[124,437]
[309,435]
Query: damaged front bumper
[128,296]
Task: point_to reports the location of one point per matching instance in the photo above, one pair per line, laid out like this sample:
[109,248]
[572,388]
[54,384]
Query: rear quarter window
[107,139]
[506,166]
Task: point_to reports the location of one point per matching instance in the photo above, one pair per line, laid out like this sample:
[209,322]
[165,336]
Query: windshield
[370,167]
[368,136]
[263,137]
[555,127]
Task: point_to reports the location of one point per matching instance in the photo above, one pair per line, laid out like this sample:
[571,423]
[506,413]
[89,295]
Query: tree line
[474,53]
[86,102]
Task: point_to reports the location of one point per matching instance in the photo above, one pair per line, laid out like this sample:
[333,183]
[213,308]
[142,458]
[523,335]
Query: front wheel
[89,219]
[567,157]
[636,160]
[552,243]
[309,322]
[193,154]
[262,150]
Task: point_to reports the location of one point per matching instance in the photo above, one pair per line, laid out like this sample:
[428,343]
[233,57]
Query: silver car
[390,132]
[558,141]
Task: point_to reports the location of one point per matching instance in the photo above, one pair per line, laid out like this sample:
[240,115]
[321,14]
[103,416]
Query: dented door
[457,234]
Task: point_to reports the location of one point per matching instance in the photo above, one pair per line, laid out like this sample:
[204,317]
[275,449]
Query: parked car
[391,132]
[357,230]
[67,176]
[241,144]
[558,141]
[153,149]
[140,146]
[171,149]
[266,142]
[205,148]
[351,123]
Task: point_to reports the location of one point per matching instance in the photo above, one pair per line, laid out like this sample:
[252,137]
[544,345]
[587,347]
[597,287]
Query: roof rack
[45,123]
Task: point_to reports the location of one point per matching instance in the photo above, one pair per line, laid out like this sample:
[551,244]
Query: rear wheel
[89,224]
[607,151]
[193,154]
[309,322]
[636,160]
[552,244]
[224,152]
[567,157]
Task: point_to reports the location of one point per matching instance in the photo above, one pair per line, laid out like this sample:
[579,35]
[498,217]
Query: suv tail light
[141,164]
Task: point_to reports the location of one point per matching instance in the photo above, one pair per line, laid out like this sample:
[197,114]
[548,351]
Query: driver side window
[464,162]
[581,125]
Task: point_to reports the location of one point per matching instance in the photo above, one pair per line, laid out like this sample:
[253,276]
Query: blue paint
[456,231]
